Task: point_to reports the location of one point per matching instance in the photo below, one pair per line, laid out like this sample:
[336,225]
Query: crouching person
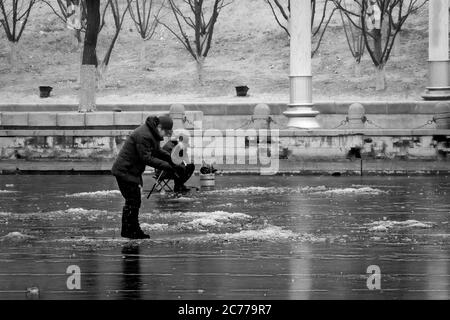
[141,149]
[184,170]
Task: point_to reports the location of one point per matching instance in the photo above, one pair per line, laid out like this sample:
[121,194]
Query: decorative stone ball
[261,111]
[442,115]
[356,111]
[177,110]
[356,116]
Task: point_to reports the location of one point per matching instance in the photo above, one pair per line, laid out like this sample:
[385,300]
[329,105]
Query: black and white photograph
[223,155]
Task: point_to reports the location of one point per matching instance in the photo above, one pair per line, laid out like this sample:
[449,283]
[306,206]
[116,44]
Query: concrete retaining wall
[76,120]
[419,149]
[388,115]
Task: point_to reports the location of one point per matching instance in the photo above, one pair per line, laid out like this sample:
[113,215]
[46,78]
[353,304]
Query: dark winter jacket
[142,148]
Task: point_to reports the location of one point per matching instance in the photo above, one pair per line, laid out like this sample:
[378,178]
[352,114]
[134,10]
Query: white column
[438,79]
[300,112]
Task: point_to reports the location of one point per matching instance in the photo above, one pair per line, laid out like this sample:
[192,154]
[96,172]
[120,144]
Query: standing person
[141,148]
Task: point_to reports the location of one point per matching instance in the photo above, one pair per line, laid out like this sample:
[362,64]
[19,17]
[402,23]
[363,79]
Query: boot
[127,227]
[181,189]
[136,232]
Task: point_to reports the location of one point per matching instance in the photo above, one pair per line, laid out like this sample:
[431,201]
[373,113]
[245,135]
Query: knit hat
[166,123]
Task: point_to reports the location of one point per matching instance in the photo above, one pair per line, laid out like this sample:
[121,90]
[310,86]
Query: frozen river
[252,237]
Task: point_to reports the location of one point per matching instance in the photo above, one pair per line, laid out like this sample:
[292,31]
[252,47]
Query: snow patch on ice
[95,194]
[7,191]
[16,236]
[182,199]
[82,211]
[5,214]
[341,191]
[75,212]
[94,241]
[250,190]
[308,189]
[154,227]
[197,221]
[216,215]
[201,224]
[385,225]
[268,233]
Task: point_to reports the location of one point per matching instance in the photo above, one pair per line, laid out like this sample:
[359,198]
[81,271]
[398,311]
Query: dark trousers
[183,172]
[131,192]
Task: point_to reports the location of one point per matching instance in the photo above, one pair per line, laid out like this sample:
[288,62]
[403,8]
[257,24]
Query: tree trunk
[14,55]
[377,44]
[398,45]
[357,69]
[80,54]
[88,74]
[380,78]
[88,81]
[143,55]
[200,69]
[102,73]
[77,41]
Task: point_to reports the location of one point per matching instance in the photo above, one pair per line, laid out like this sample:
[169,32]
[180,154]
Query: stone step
[74,119]
[237,108]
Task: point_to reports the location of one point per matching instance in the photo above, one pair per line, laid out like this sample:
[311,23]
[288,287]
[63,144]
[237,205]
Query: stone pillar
[300,112]
[438,64]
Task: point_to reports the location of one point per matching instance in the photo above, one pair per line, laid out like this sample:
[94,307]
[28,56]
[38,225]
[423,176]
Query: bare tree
[14,17]
[145,17]
[62,9]
[89,59]
[380,21]
[194,31]
[353,35]
[118,15]
[320,19]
